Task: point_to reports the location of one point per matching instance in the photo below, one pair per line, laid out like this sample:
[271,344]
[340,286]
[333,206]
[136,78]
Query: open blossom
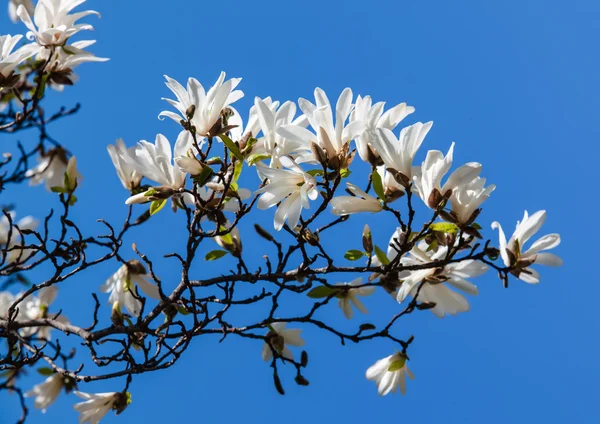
[11,58]
[205,107]
[389,374]
[36,307]
[52,23]
[351,297]
[121,158]
[374,118]
[467,198]
[13,245]
[360,202]
[280,337]
[14,4]
[47,392]
[428,178]
[520,259]
[97,405]
[51,169]
[66,58]
[292,187]
[122,285]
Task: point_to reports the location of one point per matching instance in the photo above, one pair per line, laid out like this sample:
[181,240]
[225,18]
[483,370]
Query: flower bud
[367,239]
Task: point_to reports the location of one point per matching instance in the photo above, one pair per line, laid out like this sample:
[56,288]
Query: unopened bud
[263,233]
[116,316]
[367,239]
[190,111]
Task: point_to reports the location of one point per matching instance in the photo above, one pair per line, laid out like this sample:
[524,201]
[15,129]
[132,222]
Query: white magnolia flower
[51,169]
[350,297]
[232,241]
[280,338]
[428,178]
[36,307]
[47,392]
[121,158]
[467,198]
[207,107]
[374,118]
[517,258]
[14,4]
[10,59]
[252,128]
[13,245]
[360,202]
[6,300]
[292,187]
[52,25]
[389,374]
[122,285]
[155,162]
[399,153]
[97,405]
[332,138]
[66,58]
[392,189]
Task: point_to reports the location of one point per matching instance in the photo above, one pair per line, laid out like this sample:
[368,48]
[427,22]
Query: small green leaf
[157,205]
[72,200]
[321,292]
[397,365]
[182,310]
[58,189]
[367,327]
[444,227]
[315,172]
[150,192]
[45,371]
[225,238]
[345,173]
[354,255]
[378,185]
[213,255]
[258,157]
[476,226]
[237,171]
[233,148]
[204,175]
[381,256]
[42,88]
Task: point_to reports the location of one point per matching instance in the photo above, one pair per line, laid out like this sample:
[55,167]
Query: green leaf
[150,192]
[213,255]
[345,173]
[72,200]
[45,371]
[378,185]
[258,157]
[321,292]
[476,226]
[226,238]
[237,171]
[381,255]
[157,205]
[204,175]
[58,189]
[233,148]
[315,172]
[182,310]
[444,227]
[354,255]
[42,88]
[397,365]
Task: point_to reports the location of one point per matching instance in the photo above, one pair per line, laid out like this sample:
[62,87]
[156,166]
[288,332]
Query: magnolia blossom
[280,339]
[467,198]
[122,286]
[96,406]
[10,59]
[52,168]
[427,179]
[332,138]
[13,246]
[292,187]
[6,301]
[360,202]
[14,4]
[204,107]
[122,158]
[517,258]
[349,297]
[35,308]
[374,118]
[389,374]
[52,25]
[47,392]
[232,241]
[66,58]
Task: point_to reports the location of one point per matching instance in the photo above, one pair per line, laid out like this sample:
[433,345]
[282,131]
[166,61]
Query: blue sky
[513,83]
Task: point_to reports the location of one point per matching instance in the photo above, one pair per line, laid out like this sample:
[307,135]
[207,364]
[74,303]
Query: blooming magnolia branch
[302,154]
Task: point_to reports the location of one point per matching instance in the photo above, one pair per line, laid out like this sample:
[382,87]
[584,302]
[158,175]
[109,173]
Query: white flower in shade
[14,4]
[349,297]
[36,307]
[121,157]
[51,169]
[13,246]
[206,106]
[398,153]
[332,138]
[292,187]
[155,162]
[467,198]
[520,259]
[122,285]
[428,178]
[374,118]
[280,337]
[389,374]
[47,392]
[360,202]
[97,405]
[6,300]
[52,25]
[10,59]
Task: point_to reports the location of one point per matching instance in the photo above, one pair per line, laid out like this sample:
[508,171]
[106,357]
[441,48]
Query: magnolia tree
[303,154]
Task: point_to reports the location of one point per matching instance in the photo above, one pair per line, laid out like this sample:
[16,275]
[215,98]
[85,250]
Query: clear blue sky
[513,83]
